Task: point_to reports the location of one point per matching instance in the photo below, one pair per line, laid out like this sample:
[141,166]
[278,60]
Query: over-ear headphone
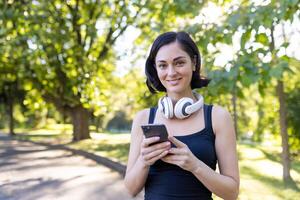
[182,109]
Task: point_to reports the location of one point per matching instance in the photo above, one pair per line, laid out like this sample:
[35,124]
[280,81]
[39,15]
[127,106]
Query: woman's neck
[176,96]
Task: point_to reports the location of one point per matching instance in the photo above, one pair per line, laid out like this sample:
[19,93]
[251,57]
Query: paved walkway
[33,172]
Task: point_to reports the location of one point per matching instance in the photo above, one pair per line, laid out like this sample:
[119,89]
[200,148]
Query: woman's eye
[162,66]
[180,63]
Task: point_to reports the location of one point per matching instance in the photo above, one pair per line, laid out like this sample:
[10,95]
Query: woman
[183,167]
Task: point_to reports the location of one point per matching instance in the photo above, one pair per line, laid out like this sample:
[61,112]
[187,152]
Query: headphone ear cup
[180,107]
[166,107]
[160,105]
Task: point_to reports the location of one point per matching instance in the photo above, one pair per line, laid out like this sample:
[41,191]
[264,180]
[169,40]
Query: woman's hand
[151,153]
[181,156]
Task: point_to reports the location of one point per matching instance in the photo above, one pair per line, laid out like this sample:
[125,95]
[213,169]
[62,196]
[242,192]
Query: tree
[11,78]
[258,59]
[68,47]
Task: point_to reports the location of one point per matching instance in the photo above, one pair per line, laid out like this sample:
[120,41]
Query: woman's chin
[175,89]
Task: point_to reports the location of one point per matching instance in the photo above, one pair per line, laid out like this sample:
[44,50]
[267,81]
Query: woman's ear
[194,67]
[194,62]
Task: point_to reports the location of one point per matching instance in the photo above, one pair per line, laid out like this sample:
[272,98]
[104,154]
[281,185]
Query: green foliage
[136,93]
[119,122]
[293,107]
[293,104]
[65,52]
[250,27]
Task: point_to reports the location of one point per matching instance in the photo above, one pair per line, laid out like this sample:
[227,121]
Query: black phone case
[152,130]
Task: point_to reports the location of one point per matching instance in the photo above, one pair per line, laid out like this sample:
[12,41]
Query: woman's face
[174,68]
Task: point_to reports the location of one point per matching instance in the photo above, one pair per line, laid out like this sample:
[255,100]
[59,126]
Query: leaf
[246,81]
[277,70]
[261,89]
[234,19]
[262,38]
[245,38]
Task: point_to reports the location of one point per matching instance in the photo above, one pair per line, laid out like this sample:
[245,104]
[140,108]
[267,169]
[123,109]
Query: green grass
[261,174]
[53,135]
[112,145]
[260,167]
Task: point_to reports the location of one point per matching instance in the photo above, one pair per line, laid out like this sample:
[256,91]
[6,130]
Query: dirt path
[33,172]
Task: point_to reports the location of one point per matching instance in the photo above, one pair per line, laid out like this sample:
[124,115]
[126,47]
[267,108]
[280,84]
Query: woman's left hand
[181,156]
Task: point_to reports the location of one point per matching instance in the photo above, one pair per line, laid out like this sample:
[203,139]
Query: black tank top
[170,182]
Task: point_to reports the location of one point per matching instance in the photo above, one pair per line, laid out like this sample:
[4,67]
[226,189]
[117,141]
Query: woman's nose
[171,70]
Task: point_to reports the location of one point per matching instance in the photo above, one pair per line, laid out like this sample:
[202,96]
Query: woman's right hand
[151,153]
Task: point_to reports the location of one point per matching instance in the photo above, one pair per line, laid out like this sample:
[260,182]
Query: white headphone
[182,109]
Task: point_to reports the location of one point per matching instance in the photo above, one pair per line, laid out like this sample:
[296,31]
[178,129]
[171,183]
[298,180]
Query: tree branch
[57,102]
[76,27]
[93,24]
[106,44]
[91,17]
[110,40]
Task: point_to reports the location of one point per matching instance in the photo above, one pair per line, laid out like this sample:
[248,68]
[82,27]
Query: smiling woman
[200,135]
[182,51]
[174,68]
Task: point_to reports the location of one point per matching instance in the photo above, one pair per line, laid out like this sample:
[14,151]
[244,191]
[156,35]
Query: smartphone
[152,130]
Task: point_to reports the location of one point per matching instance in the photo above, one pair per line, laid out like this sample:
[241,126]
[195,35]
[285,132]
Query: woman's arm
[225,184]
[141,155]
[135,166]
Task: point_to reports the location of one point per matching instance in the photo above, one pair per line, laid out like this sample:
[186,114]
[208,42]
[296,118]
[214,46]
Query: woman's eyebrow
[177,58]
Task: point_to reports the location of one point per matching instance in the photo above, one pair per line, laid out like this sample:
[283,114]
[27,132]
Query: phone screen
[152,130]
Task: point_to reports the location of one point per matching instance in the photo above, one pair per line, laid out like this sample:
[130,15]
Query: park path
[33,172]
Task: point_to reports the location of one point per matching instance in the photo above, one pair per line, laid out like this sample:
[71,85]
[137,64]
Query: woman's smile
[174,82]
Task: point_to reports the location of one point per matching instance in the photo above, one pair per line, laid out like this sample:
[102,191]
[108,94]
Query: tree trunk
[235,117]
[10,107]
[257,136]
[80,121]
[283,131]
[97,124]
[11,115]
[282,118]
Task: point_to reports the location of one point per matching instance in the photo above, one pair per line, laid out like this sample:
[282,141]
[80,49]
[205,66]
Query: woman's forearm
[135,177]
[223,186]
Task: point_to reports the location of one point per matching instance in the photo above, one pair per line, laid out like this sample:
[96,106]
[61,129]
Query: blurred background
[72,73]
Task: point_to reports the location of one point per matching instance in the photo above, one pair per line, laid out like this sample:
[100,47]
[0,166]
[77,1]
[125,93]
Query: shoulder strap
[152,115]
[207,115]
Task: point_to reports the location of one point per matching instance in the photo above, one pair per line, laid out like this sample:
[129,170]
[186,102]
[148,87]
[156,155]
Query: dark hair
[188,45]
